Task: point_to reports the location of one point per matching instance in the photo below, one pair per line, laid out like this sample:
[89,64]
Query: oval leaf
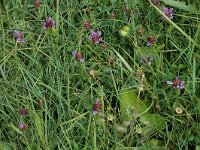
[129,101]
[153,120]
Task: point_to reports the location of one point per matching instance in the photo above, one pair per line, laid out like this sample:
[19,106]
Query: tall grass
[58,92]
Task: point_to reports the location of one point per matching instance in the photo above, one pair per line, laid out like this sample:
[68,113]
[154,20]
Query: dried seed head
[157,106]
[140,31]
[179,110]
[75,94]
[92,73]
[41,103]
[112,15]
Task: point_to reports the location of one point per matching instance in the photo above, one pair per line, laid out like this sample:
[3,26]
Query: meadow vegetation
[99,74]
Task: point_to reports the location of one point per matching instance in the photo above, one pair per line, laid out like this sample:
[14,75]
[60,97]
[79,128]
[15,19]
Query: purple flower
[96,107]
[78,56]
[95,37]
[168,12]
[146,60]
[177,84]
[19,36]
[21,126]
[151,40]
[49,23]
[22,111]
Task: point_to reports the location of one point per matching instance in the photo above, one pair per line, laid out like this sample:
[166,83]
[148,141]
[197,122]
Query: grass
[58,92]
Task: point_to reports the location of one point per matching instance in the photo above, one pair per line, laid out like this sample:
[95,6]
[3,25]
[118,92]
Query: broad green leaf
[197,147]
[146,131]
[154,143]
[149,51]
[145,51]
[153,120]
[129,102]
[133,3]
[159,47]
[5,146]
[127,148]
[182,5]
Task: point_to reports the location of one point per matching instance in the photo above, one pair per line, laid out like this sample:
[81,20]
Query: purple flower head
[19,36]
[22,111]
[146,60]
[176,84]
[95,37]
[86,25]
[78,56]
[96,107]
[37,3]
[168,12]
[21,126]
[49,23]
[156,2]
[151,40]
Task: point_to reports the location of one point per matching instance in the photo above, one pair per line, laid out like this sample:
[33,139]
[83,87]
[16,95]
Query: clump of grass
[63,71]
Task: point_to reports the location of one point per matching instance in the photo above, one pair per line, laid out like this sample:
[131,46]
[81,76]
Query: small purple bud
[22,111]
[78,56]
[96,107]
[21,126]
[151,40]
[156,2]
[37,3]
[112,15]
[146,60]
[86,25]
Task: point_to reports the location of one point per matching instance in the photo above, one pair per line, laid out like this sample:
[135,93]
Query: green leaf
[127,148]
[134,3]
[146,131]
[153,120]
[129,101]
[145,51]
[5,146]
[181,5]
[197,147]
[154,143]
[148,51]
